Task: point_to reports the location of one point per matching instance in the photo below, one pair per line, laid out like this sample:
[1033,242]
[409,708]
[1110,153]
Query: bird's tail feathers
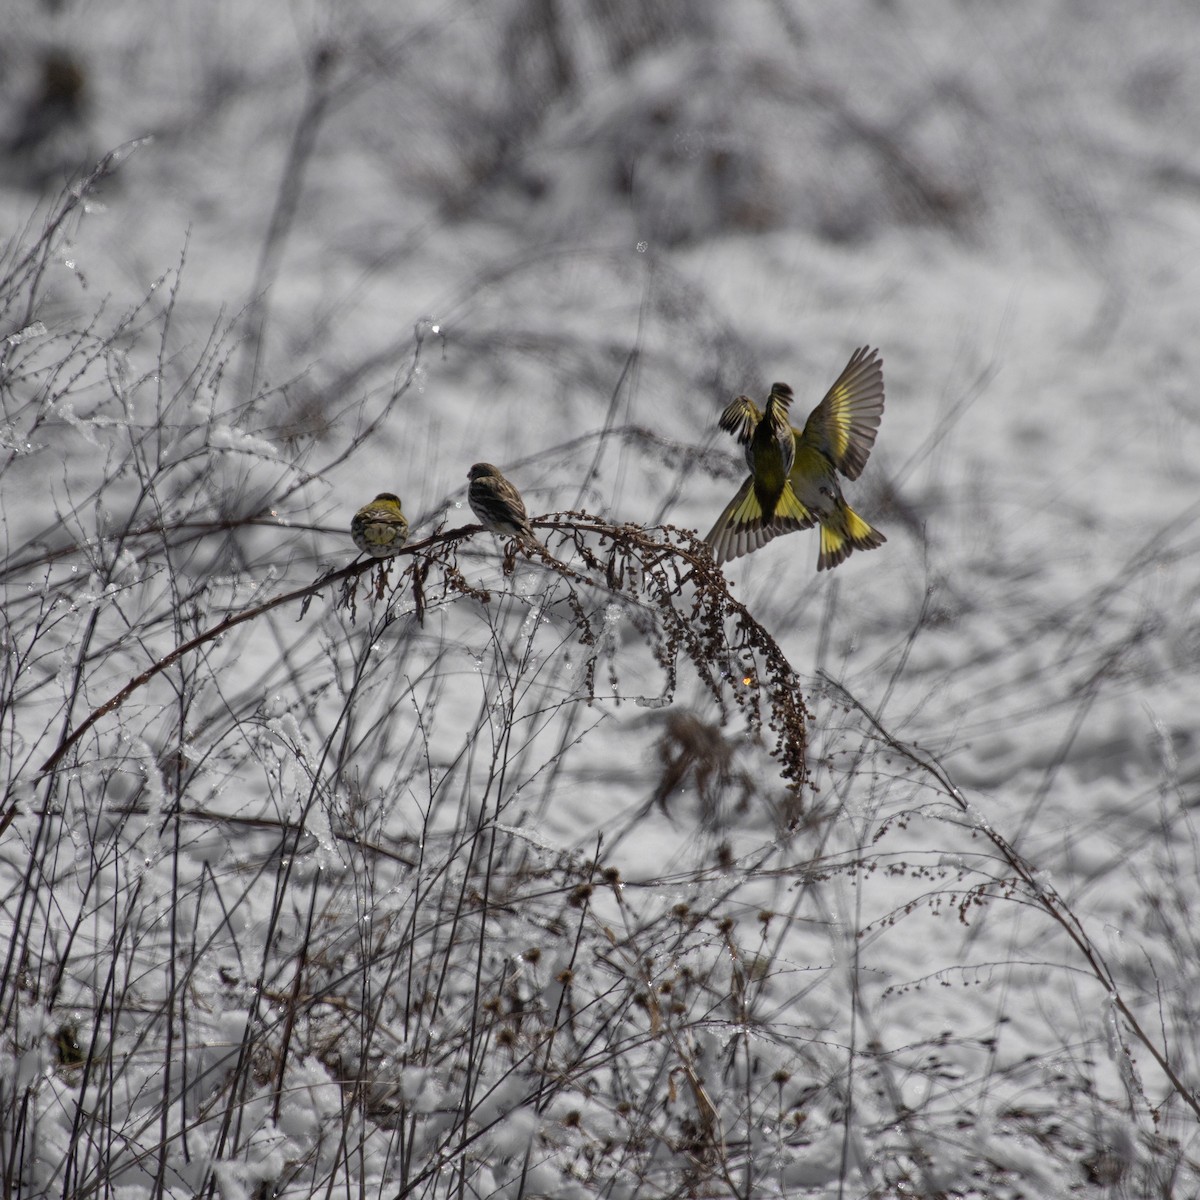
[743,527]
[532,539]
[843,532]
[790,513]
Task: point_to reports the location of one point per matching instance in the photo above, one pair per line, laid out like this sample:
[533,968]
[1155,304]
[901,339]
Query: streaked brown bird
[497,504]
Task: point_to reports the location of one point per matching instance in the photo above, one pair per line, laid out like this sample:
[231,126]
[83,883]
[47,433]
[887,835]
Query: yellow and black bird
[837,438]
[380,528]
[766,504]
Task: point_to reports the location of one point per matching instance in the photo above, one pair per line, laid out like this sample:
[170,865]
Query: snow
[561,245]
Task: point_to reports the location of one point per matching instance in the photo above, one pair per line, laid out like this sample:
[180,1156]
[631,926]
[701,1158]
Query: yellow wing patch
[843,426]
[741,529]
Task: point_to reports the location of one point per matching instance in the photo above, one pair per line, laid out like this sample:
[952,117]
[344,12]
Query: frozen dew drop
[36,329]
[642,247]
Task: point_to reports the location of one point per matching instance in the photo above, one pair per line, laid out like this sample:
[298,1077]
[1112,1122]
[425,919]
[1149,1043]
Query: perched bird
[838,437]
[497,504]
[380,528]
[766,505]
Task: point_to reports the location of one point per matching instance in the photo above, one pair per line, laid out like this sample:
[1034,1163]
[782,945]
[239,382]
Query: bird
[766,504]
[50,138]
[837,438]
[498,504]
[380,528]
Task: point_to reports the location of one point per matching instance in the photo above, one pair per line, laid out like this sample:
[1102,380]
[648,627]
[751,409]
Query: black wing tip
[738,418]
[864,363]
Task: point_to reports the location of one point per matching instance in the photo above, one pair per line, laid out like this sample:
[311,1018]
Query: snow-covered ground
[354,248]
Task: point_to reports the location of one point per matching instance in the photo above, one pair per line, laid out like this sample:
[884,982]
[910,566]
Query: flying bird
[766,504]
[837,438]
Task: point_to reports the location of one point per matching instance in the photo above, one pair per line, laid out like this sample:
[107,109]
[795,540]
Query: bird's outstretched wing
[843,426]
[740,418]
